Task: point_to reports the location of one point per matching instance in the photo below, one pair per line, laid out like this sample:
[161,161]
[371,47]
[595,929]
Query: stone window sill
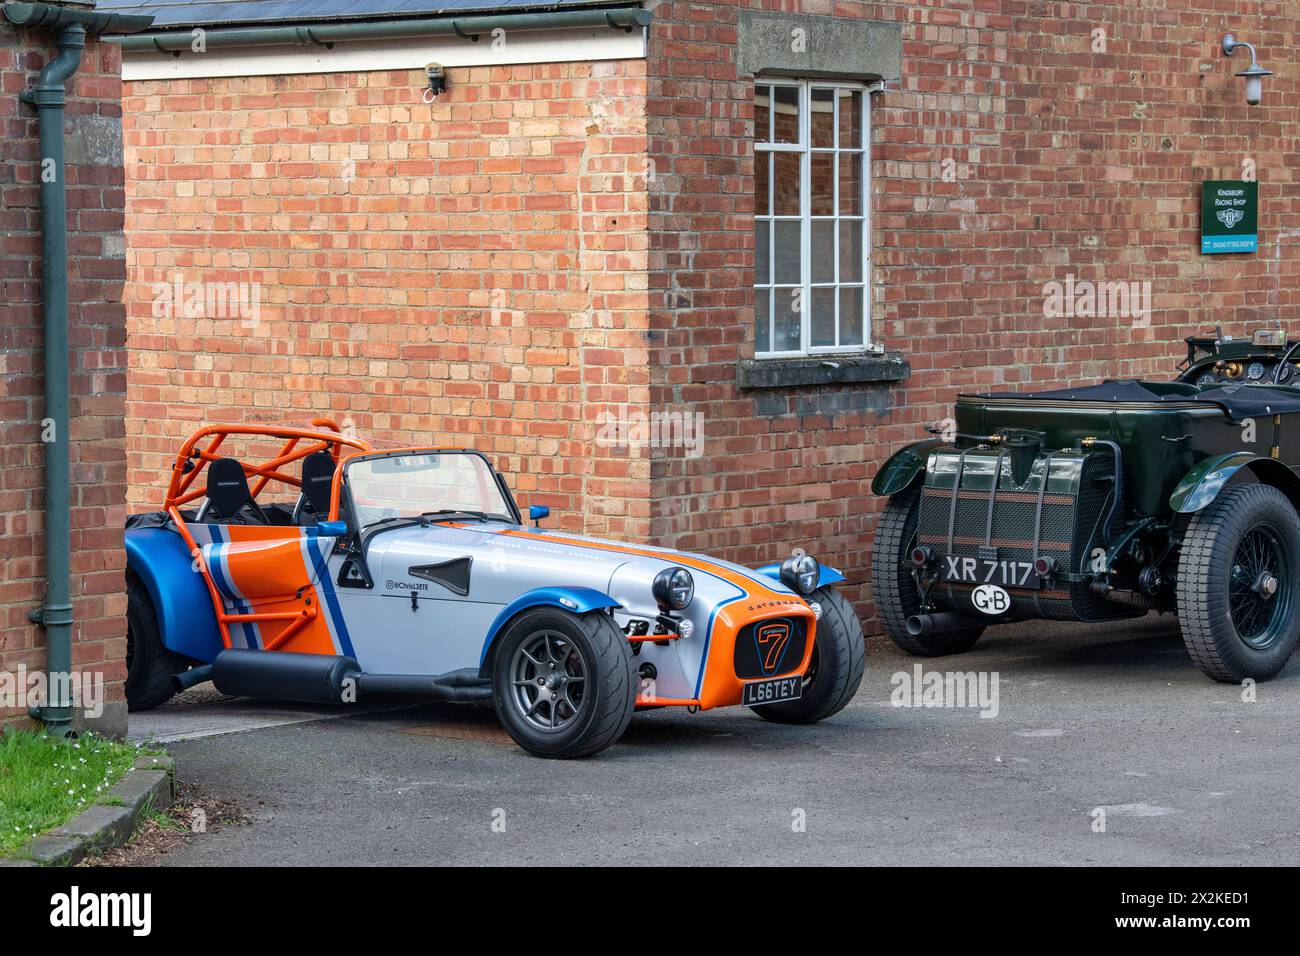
[822,370]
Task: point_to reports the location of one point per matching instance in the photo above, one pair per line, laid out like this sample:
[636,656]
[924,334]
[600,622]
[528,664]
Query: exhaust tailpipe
[195,675]
[919,625]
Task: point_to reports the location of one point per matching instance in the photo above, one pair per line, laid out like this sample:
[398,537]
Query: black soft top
[1239,400]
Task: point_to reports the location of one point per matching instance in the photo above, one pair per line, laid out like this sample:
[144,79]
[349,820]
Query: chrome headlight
[673,589]
[801,573]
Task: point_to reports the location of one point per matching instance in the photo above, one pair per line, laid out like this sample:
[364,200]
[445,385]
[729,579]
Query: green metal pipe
[326,34]
[48,96]
[55,615]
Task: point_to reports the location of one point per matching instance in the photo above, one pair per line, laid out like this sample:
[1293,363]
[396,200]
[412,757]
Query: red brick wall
[98,364]
[467,272]
[1065,161]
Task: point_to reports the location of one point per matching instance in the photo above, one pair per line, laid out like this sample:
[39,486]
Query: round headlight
[673,589]
[801,573]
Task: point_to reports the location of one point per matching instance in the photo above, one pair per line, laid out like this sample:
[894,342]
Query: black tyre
[563,684]
[894,587]
[1239,583]
[150,667]
[838,659]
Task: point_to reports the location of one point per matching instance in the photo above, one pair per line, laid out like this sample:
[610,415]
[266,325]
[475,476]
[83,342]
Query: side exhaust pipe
[919,625]
[324,679]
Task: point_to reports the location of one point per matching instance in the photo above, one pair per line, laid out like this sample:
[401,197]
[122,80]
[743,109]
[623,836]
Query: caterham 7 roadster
[1105,502]
[318,568]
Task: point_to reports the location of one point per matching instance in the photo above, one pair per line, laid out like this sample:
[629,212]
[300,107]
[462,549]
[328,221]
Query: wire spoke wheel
[548,676]
[1259,587]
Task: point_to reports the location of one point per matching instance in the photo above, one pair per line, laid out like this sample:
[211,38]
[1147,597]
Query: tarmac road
[1111,717]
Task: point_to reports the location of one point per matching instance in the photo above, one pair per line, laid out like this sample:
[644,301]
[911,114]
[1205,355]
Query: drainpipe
[48,96]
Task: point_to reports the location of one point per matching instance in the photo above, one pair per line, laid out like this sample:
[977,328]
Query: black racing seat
[317,485]
[229,499]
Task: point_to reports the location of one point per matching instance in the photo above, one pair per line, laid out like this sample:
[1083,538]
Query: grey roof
[178,13]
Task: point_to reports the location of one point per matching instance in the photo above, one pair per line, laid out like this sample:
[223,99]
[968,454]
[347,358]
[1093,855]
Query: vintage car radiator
[987,522]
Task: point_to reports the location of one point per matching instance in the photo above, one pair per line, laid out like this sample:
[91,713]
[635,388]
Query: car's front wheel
[838,659]
[1239,584]
[563,683]
[894,587]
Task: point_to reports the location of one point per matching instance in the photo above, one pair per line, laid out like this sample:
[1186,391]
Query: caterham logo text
[772,640]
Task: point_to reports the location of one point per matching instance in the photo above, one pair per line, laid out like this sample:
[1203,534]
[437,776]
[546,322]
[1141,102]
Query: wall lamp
[1254,73]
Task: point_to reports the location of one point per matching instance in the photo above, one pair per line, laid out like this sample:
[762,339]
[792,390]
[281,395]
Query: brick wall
[467,272]
[1061,160]
[98,364]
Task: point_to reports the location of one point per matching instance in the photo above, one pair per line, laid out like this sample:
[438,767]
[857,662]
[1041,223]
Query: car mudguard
[827,577]
[576,600]
[186,621]
[903,467]
[1207,478]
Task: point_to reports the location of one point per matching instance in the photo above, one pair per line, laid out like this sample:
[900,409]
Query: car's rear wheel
[894,588]
[150,667]
[838,659]
[563,683]
[1239,584]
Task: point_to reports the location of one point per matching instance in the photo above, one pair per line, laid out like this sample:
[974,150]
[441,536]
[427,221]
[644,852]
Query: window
[811,237]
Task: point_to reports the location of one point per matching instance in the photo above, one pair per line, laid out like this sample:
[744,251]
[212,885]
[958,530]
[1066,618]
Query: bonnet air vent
[453,574]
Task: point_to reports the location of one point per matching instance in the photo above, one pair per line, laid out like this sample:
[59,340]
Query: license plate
[771,691]
[999,571]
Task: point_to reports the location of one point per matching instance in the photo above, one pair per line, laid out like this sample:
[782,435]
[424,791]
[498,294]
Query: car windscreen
[411,485]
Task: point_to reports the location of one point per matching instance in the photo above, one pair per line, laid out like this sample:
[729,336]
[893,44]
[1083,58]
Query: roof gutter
[70,29]
[327,34]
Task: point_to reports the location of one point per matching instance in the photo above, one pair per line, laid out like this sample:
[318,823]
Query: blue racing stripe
[326,586]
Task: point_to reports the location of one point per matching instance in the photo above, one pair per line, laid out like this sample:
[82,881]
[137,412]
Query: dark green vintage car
[1106,502]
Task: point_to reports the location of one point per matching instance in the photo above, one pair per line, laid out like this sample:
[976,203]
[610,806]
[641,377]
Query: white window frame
[805,150]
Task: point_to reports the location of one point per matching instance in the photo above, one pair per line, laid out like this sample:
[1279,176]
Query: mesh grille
[1069,528]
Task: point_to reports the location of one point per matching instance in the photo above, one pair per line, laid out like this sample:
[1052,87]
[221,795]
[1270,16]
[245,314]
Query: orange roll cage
[184,488]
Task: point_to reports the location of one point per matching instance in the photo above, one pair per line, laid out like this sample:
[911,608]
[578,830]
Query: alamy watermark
[196,299]
[953,689]
[23,690]
[628,428]
[1083,298]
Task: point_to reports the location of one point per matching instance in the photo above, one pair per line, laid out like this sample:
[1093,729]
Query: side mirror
[537,512]
[331,529]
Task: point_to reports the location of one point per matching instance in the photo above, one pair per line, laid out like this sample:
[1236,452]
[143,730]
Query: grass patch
[44,781]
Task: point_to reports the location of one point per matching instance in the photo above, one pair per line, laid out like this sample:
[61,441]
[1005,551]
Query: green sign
[1229,215]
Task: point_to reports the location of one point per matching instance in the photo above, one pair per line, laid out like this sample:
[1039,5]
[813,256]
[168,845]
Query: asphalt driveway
[1096,727]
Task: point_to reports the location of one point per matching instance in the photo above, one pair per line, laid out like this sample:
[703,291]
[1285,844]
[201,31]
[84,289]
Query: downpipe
[55,613]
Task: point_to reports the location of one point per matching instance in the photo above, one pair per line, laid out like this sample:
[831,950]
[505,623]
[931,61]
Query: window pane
[850,119]
[788,316]
[822,329]
[822,117]
[762,269]
[788,251]
[822,200]
[823,250]
[851,250]
[785,118]
[762,320]
[785,185]
[850,184]
[762,184]
[762,114]
[851,313]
